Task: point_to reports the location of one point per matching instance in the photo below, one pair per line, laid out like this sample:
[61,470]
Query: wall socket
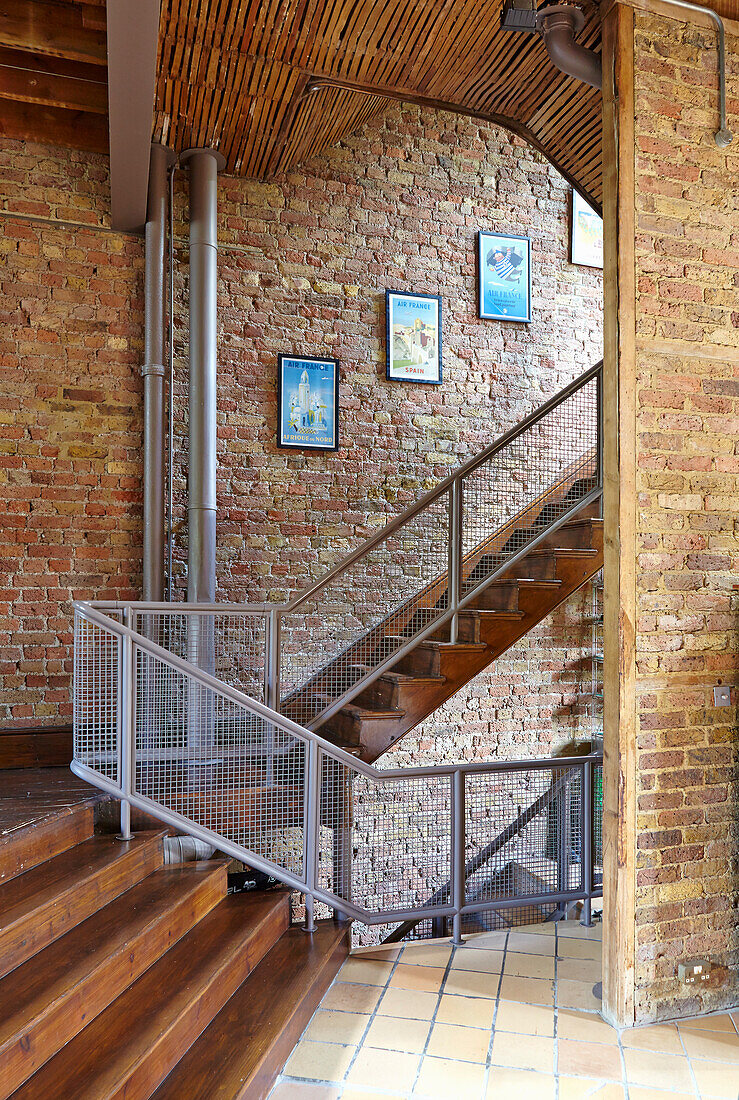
[722,696]
[695,970]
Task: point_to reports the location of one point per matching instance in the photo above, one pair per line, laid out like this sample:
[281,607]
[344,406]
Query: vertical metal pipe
[201,575]
[587,842]
[310,839]
[153,371]
[458,847]
[454,583]
[170,391]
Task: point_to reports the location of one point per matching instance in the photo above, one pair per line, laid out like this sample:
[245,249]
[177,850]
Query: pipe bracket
[157,369]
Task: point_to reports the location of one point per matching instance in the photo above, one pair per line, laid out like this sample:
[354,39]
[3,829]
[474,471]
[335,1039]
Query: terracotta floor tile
[466,1043]
[657,1070]
[571,928]
[518,1084]
[716,1079]
[722,1023]
[577,995]
[426,979]
[365,971]
[480,959]
[392,1033]
[296,1090]
[636,1092]
[579,970]
[535,991]
[585,1027]
[580,1059]
[337,1027]
[523,1052]
[408,1003]
[388,1067]
[366,1094]
[471,983]
[663,1038]
[435,954]
[529,943]
[467,1011]
[441,1079]
[380,953]
[487,941]
[713,1045]
[321,1061]
[524,1019]
[584,1088]
[518,965]
[351,998]
[579,949]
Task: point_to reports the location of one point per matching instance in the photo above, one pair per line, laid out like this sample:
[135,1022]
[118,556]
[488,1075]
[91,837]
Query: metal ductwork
[203,165]
[154,371]
[559,25]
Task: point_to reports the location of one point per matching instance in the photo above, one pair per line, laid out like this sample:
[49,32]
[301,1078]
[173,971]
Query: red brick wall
[70,419]
[304,264]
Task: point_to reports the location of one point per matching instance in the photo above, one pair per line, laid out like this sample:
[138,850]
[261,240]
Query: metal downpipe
[558,26]
[154,372]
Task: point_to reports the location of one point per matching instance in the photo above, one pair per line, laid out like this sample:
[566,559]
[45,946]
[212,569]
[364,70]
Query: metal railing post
[127,727]
[587,843]
[454,583]
[458,849]
[310,847]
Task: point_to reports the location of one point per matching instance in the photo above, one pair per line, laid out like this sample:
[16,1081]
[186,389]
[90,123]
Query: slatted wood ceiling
[238,75]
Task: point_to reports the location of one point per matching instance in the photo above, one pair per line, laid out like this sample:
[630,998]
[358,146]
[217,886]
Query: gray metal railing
[316,652]
[169,738]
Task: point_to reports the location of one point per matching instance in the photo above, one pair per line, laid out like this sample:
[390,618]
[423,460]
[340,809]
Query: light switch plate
[721,696]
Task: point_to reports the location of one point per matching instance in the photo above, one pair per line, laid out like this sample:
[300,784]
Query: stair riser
[468,629]
[536,565]
[32,846]
[25,937]
[497,597]
[382,694]
[576,536]
[164,1055]
[42,1038]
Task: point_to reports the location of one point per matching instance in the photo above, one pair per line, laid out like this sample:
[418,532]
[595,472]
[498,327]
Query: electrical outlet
[722,696]
[695,970]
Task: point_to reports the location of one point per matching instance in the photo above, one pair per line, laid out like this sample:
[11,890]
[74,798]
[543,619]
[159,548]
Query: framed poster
[413,337]
[504,264]
[308,403]
[586,234]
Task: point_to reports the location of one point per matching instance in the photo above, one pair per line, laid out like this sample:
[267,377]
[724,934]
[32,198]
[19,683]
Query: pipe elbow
[558,26]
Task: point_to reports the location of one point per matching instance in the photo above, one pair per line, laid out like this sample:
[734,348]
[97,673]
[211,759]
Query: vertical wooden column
[620,456]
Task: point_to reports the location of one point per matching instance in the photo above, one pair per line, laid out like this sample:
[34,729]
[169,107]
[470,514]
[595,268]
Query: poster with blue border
[413,337]
[308,403]
[504,262]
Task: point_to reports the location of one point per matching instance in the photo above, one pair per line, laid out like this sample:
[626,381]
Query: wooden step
[468,628]
[45,1002]
[243,1050]
[437,658]
[392,688]
[128,1050]
[349,725]
[576,533]
[39,906]
[40,840]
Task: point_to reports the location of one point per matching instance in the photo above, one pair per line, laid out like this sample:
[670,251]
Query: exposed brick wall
[304,265]
[70,418]
[688,554]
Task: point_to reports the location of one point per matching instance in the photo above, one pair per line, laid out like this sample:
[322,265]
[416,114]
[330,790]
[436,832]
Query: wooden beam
[133,38]
[54,30]
[52,82]
[620,511]
[54,126]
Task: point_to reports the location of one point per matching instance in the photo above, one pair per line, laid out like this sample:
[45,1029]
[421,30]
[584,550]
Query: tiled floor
[509,1016]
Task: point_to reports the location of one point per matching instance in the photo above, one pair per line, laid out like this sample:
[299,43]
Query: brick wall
[687,333]
[304,264]
[71,319]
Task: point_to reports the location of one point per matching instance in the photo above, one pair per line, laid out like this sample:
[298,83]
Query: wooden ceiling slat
[49,29]
[30,85]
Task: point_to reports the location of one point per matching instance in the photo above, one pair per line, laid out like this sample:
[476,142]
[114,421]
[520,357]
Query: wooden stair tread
[410,678]
[26,847]
[471,647]
[241,1052]
[42,904]
[371,712]
[45,1002]
[134,1043]
[502,616]
[564,551]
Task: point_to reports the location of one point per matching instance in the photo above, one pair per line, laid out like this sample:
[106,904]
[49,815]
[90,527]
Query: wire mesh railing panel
[536,478]
[230,645]
[524,831]
[219,764]
[96,697]
[364,614]
[598,824]
[385,844]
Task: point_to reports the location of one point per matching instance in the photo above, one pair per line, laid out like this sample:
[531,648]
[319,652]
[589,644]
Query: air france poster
[505,277]
[308,402]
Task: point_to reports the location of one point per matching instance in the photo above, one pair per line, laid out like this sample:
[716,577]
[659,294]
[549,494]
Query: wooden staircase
[437,668]
[121,977]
